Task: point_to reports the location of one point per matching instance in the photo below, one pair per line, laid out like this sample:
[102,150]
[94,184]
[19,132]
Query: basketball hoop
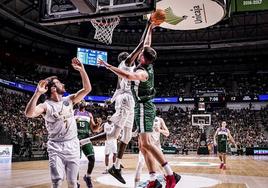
[104,28]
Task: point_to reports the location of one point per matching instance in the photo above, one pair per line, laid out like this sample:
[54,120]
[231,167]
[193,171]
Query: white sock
[136,183]
[168,169]
[117,163]
[152,176]
[106,167]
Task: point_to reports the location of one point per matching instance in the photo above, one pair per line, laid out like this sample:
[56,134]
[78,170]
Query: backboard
[55,12]
[201,119]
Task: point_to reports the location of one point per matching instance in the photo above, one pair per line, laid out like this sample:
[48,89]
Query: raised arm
[138,75]
[32,109]
[77,97]
[95,127]
[131,58]
[148,38]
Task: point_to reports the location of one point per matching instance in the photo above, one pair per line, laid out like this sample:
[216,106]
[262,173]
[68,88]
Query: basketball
[158,17]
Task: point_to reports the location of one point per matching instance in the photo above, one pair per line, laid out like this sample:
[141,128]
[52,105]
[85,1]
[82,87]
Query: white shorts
[64,159]
[110,148]
[124,111]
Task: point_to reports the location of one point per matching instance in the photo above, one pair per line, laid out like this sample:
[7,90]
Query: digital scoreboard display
[248,5]
[90,57]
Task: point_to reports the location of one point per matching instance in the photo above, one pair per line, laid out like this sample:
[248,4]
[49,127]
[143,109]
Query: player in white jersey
[159,128]
[123,118]
[63,145]
[110,145]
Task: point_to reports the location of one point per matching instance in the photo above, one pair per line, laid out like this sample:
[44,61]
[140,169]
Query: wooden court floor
[196,171]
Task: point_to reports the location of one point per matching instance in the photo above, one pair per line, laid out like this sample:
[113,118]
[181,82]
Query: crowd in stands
[22,132]
[246,125]
[234,84]
[182,133]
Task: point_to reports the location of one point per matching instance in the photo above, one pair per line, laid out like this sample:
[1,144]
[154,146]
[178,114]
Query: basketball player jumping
[159,128]
[63,144]
[85,127]
[222,134]
[110,145]
[143,91]
[123,118]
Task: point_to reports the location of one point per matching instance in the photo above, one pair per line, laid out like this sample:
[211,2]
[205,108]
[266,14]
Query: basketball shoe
[154,184]
[117,174]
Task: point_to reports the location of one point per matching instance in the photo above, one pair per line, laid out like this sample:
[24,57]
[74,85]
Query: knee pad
[72,183]
[127,135]
[56,183]
[114,134]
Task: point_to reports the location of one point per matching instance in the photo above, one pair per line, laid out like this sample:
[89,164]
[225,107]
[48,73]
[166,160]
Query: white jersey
[108,128]
[60,121]
[125,85]
[156,135]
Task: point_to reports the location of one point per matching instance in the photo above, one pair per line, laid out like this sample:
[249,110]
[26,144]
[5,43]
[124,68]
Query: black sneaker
[88,181]
[78,185]
[117,174]
[177,177]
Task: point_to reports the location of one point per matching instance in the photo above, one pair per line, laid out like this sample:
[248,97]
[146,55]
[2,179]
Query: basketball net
[104,28]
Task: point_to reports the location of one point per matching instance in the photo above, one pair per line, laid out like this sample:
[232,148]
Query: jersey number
[82,124]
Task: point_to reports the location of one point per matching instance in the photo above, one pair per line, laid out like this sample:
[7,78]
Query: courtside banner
[6,154]
[249,5]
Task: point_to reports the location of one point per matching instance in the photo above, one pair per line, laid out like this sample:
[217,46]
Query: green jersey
[222,140]
[222,135]
[144,91]
[83,124]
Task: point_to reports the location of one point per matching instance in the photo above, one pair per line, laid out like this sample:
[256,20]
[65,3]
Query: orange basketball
[158,17]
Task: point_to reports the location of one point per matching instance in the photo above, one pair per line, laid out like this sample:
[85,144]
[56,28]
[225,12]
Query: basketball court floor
[196,171]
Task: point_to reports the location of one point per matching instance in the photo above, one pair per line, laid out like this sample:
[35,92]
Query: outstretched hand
[42,86]
[103,63]
[77,65]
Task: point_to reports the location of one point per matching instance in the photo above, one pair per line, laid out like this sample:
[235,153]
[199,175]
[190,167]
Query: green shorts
[144,116]
[87,149]
[222,147]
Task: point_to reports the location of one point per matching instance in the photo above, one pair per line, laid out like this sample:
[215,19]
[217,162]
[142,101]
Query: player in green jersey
[85,127]
[143,91]
[222,135]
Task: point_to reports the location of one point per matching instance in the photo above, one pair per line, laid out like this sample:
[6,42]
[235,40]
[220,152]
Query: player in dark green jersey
[221,137]
[143,91]
[85,127]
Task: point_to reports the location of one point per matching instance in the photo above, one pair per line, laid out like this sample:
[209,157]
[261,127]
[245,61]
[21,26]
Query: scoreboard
[90,56]
[249,5]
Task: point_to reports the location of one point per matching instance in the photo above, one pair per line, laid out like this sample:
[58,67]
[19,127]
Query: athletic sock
[152,176]
[167,169]
[117,163]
